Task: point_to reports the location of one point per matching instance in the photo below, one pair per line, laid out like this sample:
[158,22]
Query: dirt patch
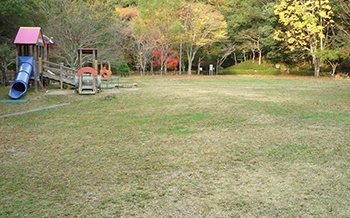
[60,92]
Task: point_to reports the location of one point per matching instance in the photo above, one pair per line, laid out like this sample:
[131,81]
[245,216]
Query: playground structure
[105,71]
[87,80]
[25,71]
[30,46]
[33,61]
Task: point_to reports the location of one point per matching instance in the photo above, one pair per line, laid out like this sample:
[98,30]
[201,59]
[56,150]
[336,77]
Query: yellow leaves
[323,13]
[291,40]
[302,21]
[208,26]
[277,35]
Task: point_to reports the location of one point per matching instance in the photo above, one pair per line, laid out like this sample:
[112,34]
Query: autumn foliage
[172,59]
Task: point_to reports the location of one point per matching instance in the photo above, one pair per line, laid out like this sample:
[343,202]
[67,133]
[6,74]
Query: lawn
[229,146]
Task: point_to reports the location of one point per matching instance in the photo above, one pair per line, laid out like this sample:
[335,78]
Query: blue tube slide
[25,71]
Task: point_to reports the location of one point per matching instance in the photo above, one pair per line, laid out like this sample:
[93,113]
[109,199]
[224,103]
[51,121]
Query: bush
[220,70]
[123,69]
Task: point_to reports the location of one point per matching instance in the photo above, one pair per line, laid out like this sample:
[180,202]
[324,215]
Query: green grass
[267,69]
[252,68]
[227,146]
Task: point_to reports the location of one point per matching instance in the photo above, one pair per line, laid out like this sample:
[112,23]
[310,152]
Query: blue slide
[25,71]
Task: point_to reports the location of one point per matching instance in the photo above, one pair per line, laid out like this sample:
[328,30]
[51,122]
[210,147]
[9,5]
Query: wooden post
[94,54]
[40,64]
[35,55]
[61,75]
[80,58]
[95,65]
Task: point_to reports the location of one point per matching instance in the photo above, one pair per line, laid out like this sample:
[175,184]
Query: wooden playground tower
[30,47]
[33,61]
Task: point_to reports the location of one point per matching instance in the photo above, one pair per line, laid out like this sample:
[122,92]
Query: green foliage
[304,70]
[16,13]
[221,70]
[250,26]
[7,56]
[334,54]
[123,69]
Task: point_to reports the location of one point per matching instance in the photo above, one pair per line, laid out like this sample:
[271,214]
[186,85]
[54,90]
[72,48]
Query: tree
[7,56]
[143,41]
[76,24]
[334,57]
[218,52]
[131,38]
[14,14]
[173,59]
[203,25]
[304,26]
[160,19]
[342,21]
[251,26]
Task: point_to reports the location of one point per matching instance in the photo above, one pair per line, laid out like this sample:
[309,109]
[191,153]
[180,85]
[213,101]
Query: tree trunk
[189,70]
[180,61]
[253,55]
[190,56]
[316,62]
[166,66]
[244,56]
[217,68]
[260,57]
[199,65]
[151,67]
[3,73]
[334,68]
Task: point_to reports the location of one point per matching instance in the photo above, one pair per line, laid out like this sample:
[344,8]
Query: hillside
[250,68]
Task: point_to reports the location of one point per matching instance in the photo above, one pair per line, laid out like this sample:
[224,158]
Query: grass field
[180,147]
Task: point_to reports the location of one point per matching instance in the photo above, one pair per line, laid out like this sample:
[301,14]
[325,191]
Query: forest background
[185,36]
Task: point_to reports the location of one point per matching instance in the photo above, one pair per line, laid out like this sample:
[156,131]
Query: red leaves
[171,58]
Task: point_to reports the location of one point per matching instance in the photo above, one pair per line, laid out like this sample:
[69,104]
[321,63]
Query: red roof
[29,35]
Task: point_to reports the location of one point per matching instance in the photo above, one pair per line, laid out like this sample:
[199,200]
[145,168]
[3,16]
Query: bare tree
[75,24]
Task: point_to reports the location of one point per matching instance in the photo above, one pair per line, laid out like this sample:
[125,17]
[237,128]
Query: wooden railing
[57,72]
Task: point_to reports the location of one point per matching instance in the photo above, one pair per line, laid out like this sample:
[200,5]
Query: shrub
[123,69]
